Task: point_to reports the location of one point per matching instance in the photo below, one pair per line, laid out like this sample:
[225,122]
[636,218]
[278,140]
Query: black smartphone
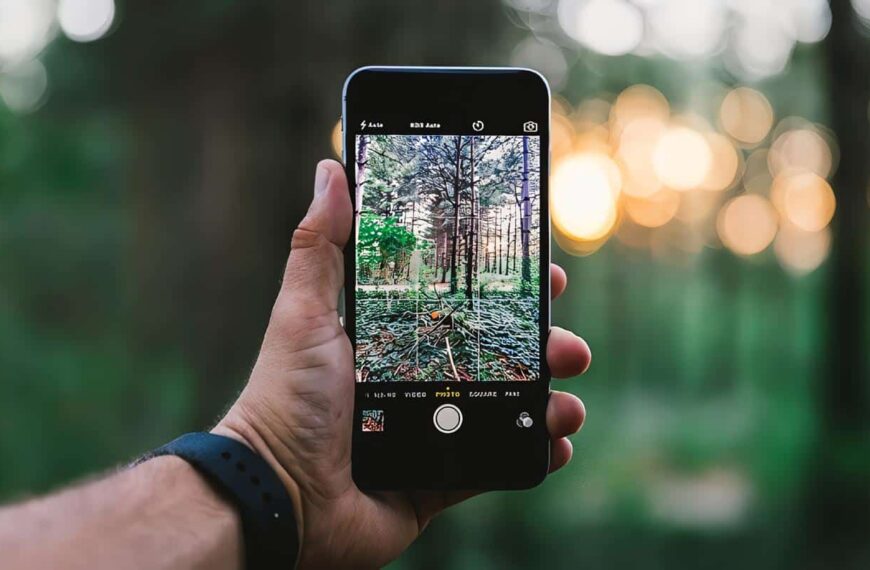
[447,292]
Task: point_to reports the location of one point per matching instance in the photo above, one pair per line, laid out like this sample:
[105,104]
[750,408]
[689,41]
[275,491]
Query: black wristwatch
[245,479]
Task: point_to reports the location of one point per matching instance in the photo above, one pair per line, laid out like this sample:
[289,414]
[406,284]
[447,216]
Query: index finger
[558,280]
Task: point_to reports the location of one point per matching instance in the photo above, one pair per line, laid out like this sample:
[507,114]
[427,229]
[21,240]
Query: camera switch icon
[525,421]
[530,127]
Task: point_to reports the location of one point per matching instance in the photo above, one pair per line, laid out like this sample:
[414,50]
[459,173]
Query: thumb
[315,268]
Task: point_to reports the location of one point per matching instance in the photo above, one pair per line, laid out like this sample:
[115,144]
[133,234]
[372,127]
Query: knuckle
[305,238]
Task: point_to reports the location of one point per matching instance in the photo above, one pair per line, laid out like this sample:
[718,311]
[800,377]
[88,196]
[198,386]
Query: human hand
[297,408]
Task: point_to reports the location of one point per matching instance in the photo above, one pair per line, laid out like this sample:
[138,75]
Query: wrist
[193,508]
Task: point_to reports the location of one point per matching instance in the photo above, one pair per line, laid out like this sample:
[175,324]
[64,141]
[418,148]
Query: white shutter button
[447,418]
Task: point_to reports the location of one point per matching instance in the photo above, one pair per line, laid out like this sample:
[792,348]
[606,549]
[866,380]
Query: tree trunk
[361,152]
[444,259]
[457,179]
[526,207]
[515,222]
[413,223]
[837,498]
[498,243]
[472,239]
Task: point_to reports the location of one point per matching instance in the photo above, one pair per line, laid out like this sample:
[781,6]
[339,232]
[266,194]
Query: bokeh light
[635,150]
[584,191]
[653,211]
[762,42]
[862,8]
[638,102]
[747,224]
[800,252]
[757,178]
[725,165]
[609,27]
[682,158]
[805,199]
[561,135]
[23,87]
[336,140]
[85,20]
[26,26]
[542,56]
[697,206]
[687,29]
[801,149]
[746,115]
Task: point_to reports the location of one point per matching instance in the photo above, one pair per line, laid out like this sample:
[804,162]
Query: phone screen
[447,288]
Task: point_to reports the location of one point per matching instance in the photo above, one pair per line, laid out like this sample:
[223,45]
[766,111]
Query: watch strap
[269,528]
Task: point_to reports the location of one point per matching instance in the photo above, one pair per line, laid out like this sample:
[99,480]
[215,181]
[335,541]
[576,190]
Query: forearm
[158,515]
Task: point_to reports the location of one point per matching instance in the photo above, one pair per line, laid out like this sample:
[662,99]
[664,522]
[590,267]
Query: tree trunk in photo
[361,152]
[509,244]
[413,223]
[526,208]
[490,260]
[444,260]
[498,243]
[457,180]
[836,527]
[515,222]
[472,240]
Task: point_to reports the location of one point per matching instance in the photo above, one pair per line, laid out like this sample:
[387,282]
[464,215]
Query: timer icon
[477,126]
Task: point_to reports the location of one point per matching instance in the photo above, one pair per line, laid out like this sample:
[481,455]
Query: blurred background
[710,203]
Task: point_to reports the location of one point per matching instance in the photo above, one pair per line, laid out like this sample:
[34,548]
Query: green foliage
[384,245]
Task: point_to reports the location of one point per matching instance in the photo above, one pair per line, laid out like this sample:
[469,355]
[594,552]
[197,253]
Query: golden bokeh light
[670,176]
[746,115]
[577,247]
[801,252]
[682,158]
[803,149]
[747,224]
[337,143]
[804,199]
[635,149]
[653,211]
[725,166]
[584,192]
[638,102]
[559,106]
[756,176]
[697,206]
[590,113]
[593,140]
[561,135]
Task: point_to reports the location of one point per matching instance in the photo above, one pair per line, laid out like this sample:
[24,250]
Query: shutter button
[447,418]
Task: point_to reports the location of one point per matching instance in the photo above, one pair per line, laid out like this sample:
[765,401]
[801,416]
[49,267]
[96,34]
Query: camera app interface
[447,260]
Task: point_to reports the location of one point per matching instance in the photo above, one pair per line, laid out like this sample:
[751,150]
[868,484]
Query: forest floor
[447,339]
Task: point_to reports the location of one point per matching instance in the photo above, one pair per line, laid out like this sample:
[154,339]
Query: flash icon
[362,126]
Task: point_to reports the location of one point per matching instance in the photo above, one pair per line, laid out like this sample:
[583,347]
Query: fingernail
[321,179]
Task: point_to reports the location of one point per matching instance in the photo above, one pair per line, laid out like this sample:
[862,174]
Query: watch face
[447,291]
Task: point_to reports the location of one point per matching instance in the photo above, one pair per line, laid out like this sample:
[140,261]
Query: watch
[269,529]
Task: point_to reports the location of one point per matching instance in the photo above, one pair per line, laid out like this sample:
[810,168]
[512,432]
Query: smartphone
[447,292]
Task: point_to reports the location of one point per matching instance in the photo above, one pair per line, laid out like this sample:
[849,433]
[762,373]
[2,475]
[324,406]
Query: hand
[297,408]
